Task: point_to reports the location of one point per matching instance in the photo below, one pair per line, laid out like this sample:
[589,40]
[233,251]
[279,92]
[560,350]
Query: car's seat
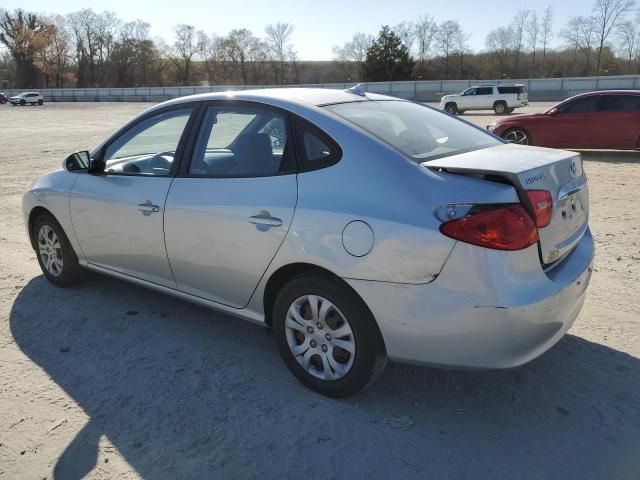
[253,155]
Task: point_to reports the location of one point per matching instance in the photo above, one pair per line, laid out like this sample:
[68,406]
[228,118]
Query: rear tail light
[504,228]
[542,205]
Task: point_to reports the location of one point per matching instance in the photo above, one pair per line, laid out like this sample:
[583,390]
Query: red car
[607,119]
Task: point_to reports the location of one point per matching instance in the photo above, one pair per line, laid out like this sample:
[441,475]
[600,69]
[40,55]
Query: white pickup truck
[499,98]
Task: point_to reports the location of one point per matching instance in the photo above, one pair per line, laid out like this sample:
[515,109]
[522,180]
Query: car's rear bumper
[487,309]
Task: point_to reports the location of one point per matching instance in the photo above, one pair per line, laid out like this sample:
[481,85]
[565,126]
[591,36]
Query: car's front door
[468,99]
[572,124]
[118,212]
[229,210]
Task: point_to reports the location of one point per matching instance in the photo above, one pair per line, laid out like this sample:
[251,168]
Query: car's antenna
[359,89]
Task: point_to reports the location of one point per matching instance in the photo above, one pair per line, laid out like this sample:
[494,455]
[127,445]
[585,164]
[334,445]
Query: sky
[320,24]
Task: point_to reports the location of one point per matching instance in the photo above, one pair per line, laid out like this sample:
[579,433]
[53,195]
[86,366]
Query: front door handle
[149,207]
[264,218]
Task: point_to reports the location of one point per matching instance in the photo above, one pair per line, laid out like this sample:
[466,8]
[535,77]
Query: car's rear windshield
[420,132]
[512,89]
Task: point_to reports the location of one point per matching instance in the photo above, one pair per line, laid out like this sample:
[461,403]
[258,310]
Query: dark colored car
[3,98]
[607,119]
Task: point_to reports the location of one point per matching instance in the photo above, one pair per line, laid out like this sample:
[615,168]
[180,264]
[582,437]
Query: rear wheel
[451,108]
[500,108]
[327,336]
[517,135]
[56,257]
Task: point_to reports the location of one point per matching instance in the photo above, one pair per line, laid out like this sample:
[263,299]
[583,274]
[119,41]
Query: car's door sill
[243,313]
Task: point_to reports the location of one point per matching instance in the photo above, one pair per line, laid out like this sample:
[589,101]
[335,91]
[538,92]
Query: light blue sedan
[358,227]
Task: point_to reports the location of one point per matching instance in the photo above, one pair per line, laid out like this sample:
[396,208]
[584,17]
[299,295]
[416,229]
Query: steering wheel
[161,161]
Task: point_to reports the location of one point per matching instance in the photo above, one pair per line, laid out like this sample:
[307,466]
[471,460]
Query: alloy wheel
[320,337]
[50,250]
[517,136]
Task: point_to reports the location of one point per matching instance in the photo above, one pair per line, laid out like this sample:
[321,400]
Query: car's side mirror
[77,161]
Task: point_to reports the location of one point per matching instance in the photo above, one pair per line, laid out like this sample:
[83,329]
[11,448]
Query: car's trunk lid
[531,168]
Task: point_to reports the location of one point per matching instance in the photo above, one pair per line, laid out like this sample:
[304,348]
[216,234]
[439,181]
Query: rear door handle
[147,206]
[265,219]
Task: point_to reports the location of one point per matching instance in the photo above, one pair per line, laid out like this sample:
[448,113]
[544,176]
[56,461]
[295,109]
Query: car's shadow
[183,392]
[610,156]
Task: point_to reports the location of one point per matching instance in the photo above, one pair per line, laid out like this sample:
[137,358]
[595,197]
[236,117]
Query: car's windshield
[419,132]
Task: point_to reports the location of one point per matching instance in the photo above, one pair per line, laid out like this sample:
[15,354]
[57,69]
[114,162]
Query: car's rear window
[420,132]
[512,89]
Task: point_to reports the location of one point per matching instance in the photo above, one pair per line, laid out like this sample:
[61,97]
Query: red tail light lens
[542,206]
[505,228]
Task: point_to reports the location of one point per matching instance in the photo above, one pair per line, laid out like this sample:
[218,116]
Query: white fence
[540,89]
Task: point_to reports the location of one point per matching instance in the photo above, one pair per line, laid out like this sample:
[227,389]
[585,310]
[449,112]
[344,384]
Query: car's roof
[608,92]
[283,96]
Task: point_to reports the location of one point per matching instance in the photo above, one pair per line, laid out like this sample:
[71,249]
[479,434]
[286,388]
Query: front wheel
[500,108]
[56,257]
[517,135]
[327,336]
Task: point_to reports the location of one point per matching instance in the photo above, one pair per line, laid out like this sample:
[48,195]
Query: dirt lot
[109,380]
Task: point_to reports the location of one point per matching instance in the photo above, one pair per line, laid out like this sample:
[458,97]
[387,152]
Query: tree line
[91,49]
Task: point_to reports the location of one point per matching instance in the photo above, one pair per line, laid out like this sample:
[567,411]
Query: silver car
[358,227]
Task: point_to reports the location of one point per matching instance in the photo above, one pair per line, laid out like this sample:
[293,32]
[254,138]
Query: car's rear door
[618,122]
[118,212]
[484,98]
[229,209]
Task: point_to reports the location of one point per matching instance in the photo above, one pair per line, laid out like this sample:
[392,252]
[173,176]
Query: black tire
[369,358]
[500,108]
[71,272]
[518,136]
[22,103]
[40,102]
[451,108]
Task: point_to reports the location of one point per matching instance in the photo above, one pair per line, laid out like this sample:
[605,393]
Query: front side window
[469,91]
[242,141]
[581,105]
[419,132]
[149,147]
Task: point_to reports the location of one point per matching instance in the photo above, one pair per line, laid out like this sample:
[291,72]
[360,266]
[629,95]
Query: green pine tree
[388,58]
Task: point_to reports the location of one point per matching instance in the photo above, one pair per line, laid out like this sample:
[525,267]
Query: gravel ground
[109,380]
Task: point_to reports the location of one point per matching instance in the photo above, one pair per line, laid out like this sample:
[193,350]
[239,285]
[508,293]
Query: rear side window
[512,89]
[581,105]
[485,91]
[621,103]
[317,149]
[242,141]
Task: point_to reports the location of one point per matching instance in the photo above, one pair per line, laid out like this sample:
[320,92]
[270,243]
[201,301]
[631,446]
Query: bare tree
[533,32]
[184,48]
[461,42]
[571,33]
[355,50]
[425,29]
[608,14]
[499,43]
[446,41]
[278,37]
[546,30]
[628,39]
[407,33]
[518,26]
